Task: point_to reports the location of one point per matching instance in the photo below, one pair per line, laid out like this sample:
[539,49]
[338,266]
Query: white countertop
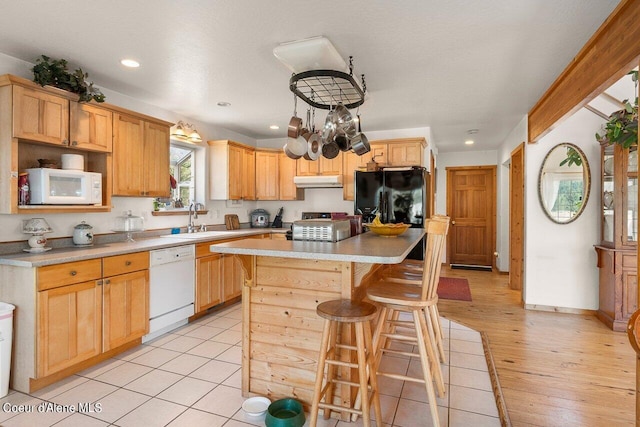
[80,253]
[367,248]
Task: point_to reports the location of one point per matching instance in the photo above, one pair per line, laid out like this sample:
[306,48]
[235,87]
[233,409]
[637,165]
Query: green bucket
[285,413]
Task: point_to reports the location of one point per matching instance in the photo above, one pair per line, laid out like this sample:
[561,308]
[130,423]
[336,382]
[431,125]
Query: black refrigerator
[399,195]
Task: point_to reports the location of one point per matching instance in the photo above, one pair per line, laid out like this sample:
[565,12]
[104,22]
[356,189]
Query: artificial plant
[54,72]
[622,127]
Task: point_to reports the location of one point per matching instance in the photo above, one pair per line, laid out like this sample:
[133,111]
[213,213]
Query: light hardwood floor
[555,369]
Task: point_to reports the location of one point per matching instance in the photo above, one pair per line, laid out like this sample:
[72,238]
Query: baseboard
[566,310]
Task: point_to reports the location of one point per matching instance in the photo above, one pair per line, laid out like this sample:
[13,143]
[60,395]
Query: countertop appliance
[259,218]
[171,289]
[64,187]
[323,230]
[398,194]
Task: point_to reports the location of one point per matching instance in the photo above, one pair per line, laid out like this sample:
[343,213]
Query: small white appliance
[72,162]
[171,289]
[64,187]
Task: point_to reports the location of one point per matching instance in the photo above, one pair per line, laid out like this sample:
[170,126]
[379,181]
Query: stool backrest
[437,228]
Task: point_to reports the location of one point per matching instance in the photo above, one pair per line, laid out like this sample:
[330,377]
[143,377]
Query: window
[182,163]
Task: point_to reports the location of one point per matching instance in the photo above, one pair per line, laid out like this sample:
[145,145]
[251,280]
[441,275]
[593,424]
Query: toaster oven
[321,230]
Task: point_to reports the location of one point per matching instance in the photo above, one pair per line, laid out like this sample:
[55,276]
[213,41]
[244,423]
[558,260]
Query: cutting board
[232,222]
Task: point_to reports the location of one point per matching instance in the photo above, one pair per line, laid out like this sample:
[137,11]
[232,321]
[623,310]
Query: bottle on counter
[23,189]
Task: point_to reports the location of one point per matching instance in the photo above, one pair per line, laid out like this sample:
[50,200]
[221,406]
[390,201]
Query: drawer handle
[73,272]
[128,263]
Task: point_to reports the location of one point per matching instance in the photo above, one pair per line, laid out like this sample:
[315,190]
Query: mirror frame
[587,184]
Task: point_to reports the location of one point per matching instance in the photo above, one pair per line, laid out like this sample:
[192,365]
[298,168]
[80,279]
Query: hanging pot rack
[324,88]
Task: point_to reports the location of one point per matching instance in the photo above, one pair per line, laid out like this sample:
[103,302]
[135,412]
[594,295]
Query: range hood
[318,181]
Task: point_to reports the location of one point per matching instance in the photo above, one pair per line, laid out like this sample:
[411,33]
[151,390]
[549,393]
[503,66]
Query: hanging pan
[360,143]
[295,124]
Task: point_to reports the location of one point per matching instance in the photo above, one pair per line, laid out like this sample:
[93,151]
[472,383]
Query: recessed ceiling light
[224,104]
[469,142]
[131,63]
[274,127]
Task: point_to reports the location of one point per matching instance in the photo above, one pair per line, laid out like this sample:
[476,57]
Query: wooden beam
[610,53]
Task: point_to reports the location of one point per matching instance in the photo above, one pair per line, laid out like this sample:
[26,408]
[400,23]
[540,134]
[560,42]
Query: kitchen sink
[203,234]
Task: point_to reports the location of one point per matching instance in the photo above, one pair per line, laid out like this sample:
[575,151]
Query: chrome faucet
[191,227]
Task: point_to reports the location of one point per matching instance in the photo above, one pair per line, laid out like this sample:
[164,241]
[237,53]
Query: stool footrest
[401,377]
[341,363]
[400,337]
[339,408]
[399,352]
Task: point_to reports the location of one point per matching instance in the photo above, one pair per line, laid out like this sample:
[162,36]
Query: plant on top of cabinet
[54,72]
[622,127]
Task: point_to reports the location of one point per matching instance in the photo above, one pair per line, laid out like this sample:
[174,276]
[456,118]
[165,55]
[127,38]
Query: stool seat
[344,310]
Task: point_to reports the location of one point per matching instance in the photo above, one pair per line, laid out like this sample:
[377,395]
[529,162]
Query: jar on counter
[23,189]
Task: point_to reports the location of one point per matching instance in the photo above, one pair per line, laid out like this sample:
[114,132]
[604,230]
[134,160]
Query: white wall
[560,260]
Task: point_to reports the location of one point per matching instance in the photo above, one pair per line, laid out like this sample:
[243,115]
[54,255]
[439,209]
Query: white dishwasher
[171,289]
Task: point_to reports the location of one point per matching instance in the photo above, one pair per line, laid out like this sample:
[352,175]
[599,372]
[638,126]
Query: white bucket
[6,338]
[73,162]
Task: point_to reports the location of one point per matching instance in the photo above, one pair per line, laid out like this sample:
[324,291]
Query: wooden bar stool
[336,313]
[399,295]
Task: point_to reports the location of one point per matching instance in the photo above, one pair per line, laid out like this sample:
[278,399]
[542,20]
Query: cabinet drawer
[629,261]
[54,276]
[126,263]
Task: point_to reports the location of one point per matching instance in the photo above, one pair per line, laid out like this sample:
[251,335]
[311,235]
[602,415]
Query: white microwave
[64,187]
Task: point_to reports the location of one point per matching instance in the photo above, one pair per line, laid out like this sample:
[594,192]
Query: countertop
[80,253]
[367,248]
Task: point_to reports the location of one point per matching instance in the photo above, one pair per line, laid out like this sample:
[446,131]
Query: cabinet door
[39,116]
[331,166]
[126,308]
[236,160]
[208,282]
[156,160]
[405,154]
[128,155]
[248,175]
[379,153]
[307,167]
[350,163]
[287,190]
[90,127]
[69,326]
[266,175]
[232,277]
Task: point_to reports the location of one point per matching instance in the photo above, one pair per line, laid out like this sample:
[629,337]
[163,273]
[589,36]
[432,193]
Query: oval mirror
[564,183]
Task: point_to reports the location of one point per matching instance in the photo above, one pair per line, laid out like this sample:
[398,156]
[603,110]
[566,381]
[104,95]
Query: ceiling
[451,66]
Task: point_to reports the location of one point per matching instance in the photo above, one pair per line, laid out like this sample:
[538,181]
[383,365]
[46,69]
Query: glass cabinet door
[608,187]
[630,205]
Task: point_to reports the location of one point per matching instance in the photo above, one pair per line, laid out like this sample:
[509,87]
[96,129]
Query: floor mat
[454,288]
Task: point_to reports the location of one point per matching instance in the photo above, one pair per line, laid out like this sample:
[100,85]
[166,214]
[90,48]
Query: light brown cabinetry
[140,157]
[322,166]
[267,174]
[617,251]
[231,171]
[125,298]
[91,127]
[286,172]
[40,116]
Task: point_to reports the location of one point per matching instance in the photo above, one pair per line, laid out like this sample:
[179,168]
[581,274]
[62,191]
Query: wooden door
[69,326]
[128,155]
[90,127]
[39,116]
[287,190]
[126,308]
[232,277]
[236,159]
[516,218]
[156,161]
[266,175]
[208,282]
[248,174]
[471,195]
[331,166]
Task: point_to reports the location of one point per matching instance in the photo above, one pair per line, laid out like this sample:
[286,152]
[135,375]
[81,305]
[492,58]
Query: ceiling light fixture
[130,63]
[274,127]
[224,104]
[185,132]
[315,53]
[469,142]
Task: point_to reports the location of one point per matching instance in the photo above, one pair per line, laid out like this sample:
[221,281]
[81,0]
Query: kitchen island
[284,282]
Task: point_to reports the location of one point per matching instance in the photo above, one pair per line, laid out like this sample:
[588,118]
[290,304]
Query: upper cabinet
[91,127]
[286,172]
[266,176]
[231,171]
[322,166]
[140,157]
[40,116]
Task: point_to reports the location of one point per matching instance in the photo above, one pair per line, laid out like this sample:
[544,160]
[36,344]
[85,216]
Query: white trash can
[6,338]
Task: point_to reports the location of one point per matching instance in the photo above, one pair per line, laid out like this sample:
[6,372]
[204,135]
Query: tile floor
[191,377]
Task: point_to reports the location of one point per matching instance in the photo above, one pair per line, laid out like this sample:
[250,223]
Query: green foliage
[54,72]
[622,127]
[573,158]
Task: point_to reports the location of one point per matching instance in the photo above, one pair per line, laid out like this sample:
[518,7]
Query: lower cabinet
[208,282]
[81,314]
[232,277]
[618,286]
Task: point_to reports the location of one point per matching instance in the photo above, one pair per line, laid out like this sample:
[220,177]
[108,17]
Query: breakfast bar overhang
[284,282]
